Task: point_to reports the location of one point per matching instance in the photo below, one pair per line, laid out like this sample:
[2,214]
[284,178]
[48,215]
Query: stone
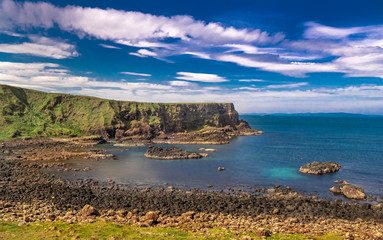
[221,169]
[349,191]
[51,217]
[210,150]
[88,210]
[353,192]
[320,168]
[262,232]
[152,215]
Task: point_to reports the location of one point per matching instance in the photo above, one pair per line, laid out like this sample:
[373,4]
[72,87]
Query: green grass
[102,230]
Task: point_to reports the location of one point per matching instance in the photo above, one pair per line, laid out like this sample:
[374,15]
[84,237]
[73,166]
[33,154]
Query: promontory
[30,113]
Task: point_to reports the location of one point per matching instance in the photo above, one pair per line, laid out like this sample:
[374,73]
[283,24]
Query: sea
[273,158]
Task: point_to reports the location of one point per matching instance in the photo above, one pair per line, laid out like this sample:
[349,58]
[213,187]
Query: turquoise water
[272,158]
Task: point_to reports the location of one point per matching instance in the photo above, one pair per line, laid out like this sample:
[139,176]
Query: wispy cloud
[251,80]
[137,74]
[290,85]
[180,83]
[296,69]
[108,46]
[201,77]
[42,47]
[53,77]
[144,53]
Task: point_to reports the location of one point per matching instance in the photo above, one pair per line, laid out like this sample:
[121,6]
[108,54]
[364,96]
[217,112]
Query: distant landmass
[338,114]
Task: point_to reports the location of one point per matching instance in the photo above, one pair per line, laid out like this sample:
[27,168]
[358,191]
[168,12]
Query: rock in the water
[353,192]
[171,153]
[210,150]
[221,169]
[336,190]
[349,191]
[319,168]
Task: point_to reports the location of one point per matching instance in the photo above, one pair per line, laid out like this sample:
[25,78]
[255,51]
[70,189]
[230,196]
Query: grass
[102,230]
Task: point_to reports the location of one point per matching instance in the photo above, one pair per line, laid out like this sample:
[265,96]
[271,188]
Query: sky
[272,56]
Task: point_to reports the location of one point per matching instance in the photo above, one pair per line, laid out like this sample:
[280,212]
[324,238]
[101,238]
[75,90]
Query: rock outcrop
[320,168]
[349,191]
[171,153]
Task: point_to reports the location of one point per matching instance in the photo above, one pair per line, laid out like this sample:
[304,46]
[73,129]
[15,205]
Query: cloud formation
[201,77]
[117,25]
[137,74]
[42,47]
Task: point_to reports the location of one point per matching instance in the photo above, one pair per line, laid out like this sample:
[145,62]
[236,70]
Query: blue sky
[265,56]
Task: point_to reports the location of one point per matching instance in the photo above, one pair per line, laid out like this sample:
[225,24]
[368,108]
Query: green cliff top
[25,112]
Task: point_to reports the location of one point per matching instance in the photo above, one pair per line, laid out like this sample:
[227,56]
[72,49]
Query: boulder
[353,192]
[152,215]
[319,168]
[349,191]
[88,210]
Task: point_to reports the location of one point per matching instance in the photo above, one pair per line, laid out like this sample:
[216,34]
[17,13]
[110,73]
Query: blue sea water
[288,142]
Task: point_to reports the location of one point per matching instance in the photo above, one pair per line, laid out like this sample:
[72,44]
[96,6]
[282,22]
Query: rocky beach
[29,194]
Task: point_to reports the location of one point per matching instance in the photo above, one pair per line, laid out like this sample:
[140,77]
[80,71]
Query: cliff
[25,112]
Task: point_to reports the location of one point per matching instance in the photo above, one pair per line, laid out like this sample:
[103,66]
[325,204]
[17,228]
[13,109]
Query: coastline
[280,209]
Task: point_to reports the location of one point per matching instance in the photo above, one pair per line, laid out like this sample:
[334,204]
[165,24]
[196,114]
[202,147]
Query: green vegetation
[102,230]
[30,113]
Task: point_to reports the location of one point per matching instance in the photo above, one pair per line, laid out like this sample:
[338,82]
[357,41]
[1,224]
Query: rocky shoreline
[29,194]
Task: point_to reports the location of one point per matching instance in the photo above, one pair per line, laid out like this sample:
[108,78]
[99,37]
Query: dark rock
[171,153]
[51,217]
[319,168]
[262,232]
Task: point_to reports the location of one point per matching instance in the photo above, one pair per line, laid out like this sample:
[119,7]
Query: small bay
[288,142]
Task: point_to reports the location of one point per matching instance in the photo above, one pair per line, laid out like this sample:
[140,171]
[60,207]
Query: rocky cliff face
[25,112]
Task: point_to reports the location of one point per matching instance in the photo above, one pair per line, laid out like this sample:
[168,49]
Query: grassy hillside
[25,112]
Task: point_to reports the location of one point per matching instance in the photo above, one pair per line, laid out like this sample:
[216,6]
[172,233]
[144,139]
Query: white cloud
[296,69]
[180,83]
[42,47]
[290,85]
[108,46]
[199,54]
[48,76]
[251,80]
[124,25]
[137,74]
[144,53]
[201,77]
[315,31]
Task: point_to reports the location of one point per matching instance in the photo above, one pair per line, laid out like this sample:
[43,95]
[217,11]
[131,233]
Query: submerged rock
[349,191]
[171,153]
[319,168]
